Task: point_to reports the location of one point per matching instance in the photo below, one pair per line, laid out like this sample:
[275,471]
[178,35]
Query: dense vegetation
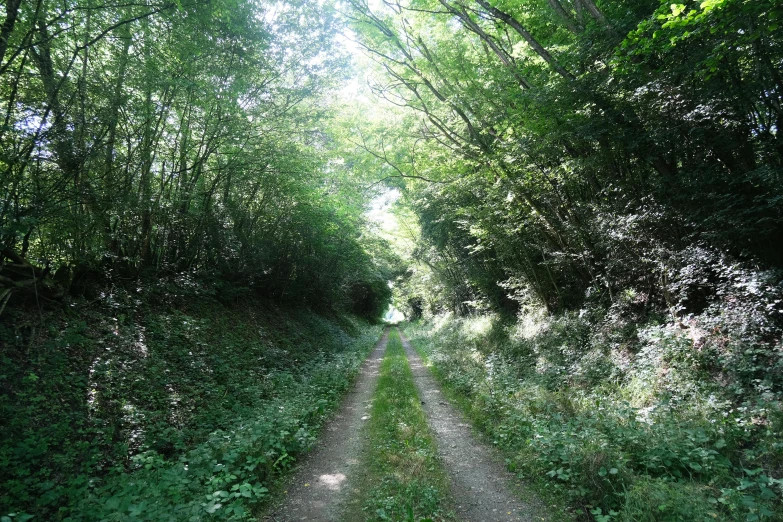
[165,138]
[592,204]
[599,185]
[172,406]
[183,255]
[570,150]
[612,434]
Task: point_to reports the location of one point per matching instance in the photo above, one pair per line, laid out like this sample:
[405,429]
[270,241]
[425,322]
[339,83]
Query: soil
[319,486]
[482,489]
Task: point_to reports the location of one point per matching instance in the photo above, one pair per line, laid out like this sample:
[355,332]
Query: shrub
[663,439]
[657,500]
[174,410]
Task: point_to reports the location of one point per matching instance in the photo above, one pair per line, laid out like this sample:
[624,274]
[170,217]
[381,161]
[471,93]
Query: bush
[661,438]
[657,500]
[184,407]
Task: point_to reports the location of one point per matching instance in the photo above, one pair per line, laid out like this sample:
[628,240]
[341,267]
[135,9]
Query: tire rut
[480,484]
[317,489]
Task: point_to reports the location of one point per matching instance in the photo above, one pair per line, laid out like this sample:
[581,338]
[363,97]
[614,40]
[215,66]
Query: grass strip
[404,478]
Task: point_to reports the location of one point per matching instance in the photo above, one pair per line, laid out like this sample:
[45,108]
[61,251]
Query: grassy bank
[403,478]
[634,433]
[164,403]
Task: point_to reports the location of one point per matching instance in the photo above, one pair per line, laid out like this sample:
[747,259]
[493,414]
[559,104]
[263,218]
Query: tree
[569,168]
[168,137]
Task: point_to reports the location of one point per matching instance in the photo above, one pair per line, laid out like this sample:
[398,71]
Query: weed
[178,411]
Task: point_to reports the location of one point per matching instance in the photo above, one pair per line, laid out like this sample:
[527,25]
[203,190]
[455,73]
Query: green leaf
[677,9]
[211,508]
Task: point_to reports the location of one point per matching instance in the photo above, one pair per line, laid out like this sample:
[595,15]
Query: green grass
[404,479]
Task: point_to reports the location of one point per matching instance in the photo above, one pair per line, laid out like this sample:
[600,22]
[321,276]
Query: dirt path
[483,489]
[480,483]
[316,490]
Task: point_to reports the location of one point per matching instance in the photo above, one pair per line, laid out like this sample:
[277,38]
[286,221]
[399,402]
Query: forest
[582,222]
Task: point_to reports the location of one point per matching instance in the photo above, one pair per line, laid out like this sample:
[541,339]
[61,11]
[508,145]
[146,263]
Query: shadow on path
[317,489]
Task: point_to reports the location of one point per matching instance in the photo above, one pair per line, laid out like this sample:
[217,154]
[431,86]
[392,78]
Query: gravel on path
[317,489]
[484,491]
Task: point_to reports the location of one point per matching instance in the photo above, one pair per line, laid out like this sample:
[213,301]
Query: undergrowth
[641,425]
[404,479]
[163,403]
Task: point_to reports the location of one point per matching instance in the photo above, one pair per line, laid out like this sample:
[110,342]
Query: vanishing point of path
[482,488]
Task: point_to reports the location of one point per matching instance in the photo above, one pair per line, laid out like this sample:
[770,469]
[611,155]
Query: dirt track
[318,487]
[483,490]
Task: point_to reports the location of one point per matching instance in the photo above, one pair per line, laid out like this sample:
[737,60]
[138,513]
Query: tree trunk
[566,17]
[504,56]
[11,14]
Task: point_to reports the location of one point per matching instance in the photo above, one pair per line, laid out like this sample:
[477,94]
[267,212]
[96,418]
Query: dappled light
[333,481]
[211,210]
